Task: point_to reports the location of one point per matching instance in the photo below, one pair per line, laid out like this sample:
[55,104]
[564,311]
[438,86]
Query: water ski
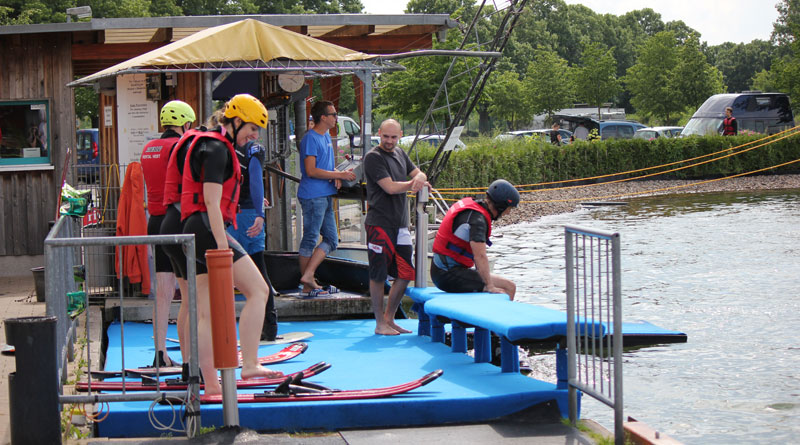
[289,337]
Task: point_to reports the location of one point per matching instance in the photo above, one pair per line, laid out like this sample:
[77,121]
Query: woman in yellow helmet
[209,198]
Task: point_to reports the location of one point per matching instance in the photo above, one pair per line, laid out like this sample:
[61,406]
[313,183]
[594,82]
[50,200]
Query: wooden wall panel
[36,67]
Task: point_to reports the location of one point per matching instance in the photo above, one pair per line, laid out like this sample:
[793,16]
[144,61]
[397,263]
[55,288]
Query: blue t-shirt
[319,145]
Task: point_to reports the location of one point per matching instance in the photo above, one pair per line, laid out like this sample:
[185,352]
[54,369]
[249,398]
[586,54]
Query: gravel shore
[550,202]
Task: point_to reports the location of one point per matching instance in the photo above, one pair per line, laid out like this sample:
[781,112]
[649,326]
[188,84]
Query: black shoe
[159,361]
[185,373]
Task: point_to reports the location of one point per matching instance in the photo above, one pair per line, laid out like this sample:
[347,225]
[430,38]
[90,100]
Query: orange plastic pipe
[223,312]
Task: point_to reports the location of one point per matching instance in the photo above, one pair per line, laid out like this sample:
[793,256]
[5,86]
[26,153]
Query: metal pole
[571,371]
[193,407]
[366,136]
[208,94]
[421,258]
[230,404]
[619,432]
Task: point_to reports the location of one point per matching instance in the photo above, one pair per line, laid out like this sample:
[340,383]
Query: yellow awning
[250,41]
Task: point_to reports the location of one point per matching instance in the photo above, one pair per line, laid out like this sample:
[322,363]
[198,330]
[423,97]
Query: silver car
[651,133]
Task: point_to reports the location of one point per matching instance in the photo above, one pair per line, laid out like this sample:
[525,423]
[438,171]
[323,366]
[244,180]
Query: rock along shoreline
[554,201]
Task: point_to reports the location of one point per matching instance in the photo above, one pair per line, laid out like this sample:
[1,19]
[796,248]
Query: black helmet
[503,194]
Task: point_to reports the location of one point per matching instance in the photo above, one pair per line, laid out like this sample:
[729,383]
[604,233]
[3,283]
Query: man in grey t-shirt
[387,169]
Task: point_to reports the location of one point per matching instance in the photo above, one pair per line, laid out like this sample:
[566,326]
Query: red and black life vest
[192,194]
[447,243]
[728,129]
[174,176]
[155,157]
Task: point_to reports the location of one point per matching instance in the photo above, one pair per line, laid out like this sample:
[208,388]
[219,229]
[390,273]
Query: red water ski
[304,394]
[283,355]
[178,385]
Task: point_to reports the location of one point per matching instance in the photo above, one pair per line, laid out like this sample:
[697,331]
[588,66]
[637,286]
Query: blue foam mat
[467,392]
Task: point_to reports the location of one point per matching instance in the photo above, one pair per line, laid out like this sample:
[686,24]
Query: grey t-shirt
[386,210]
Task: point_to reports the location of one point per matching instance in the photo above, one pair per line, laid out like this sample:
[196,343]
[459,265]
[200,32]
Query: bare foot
[385,330]
[397,328]
[255,372]
[309,283]
[212,389]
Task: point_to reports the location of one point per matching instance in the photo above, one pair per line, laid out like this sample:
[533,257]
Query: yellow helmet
[248,109]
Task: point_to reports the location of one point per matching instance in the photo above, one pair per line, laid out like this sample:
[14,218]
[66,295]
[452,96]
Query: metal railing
[62,246]
[594,300]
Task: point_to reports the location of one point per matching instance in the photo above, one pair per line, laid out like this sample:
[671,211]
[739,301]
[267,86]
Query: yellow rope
[449,191]
[665,188]
[646,192]
[108,187]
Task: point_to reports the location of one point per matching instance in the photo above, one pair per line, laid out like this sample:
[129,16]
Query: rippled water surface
[723,268]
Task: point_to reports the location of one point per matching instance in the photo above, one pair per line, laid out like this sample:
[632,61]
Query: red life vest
[727,126]
[155,157]
[174,176]
[192,194]
[447,243]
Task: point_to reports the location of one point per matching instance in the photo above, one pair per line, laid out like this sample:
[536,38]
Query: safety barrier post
[34,414]
[223,328]
[594,299]
[421,257]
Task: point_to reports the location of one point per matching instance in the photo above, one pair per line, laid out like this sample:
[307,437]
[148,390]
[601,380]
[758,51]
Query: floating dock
[467,392]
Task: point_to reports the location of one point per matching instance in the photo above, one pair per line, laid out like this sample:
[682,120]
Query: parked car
[542,133]
[88,149]
[348,132]
[651,133]
[607,129]
[758,112]
[431,139]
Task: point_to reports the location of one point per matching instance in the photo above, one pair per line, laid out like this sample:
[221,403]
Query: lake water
[724,268]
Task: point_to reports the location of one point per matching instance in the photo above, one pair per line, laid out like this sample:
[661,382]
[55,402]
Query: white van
[348,131]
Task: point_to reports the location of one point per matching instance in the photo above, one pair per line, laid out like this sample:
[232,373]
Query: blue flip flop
[314,293]
[331,289]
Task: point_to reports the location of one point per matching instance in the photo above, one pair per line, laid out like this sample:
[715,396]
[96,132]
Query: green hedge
[533,162]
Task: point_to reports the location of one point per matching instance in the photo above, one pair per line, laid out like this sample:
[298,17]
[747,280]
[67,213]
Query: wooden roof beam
[350,31]
[117,52]
[383,44]
[413,29]
[298,29]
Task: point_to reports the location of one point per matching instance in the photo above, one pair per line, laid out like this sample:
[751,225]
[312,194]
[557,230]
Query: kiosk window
[24,133]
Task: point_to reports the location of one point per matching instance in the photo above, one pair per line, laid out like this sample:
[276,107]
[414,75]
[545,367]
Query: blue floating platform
[466,392]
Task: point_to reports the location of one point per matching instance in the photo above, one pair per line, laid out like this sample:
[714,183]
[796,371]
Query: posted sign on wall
[137,117]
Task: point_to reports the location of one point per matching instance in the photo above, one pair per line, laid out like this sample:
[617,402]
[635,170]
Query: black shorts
[386,257]
[162,260]
[171,225]
[457,279]
[198,224]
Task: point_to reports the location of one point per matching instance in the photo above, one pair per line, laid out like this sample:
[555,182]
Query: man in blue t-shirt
[319,182]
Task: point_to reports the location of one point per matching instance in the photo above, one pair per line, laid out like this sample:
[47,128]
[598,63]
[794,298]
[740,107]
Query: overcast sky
[718,21]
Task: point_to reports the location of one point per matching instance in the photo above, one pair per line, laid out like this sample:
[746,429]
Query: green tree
[433,6]
[596,79]
[739,62]
[784,73]
[86,104]
[693,76]
[764,80]
[649,79]
[548,83]
[503,92]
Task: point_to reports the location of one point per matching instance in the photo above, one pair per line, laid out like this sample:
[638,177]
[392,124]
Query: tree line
[560,54]
[557,55]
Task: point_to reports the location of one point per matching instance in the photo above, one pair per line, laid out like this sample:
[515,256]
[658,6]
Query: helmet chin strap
[236,132]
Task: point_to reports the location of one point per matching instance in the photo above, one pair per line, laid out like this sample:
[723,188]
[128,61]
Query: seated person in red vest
[462,239]
[176,117]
